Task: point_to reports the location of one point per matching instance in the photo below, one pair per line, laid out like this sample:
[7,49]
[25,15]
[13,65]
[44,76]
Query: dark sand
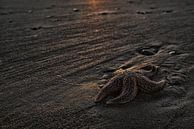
[53,54]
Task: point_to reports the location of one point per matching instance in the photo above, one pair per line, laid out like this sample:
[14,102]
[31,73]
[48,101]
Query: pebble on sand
[49,16]
[30,11]
[76,10]
[172,52]
[59,76]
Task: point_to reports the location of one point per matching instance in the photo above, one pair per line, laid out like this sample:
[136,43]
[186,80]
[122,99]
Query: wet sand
[54,54]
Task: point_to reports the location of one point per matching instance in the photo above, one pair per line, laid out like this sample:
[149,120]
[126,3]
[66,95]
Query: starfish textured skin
[125,86]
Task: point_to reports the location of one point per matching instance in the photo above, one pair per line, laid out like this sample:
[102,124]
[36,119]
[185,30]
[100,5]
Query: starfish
[125,86]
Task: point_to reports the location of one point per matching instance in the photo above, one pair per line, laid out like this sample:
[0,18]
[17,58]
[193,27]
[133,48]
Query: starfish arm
[149,70]
[111,88]
[148,86]
[128,91]
[101,95]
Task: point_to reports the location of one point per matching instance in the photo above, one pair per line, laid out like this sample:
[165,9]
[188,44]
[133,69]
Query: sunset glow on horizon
[93,3]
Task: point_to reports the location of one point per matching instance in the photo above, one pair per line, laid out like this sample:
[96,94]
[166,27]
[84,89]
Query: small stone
[172,52]
[76,10]
[59,76]
[49,16]
[30,11]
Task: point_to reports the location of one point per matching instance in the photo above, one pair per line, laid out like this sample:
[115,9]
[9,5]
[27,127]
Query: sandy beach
[54,54]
